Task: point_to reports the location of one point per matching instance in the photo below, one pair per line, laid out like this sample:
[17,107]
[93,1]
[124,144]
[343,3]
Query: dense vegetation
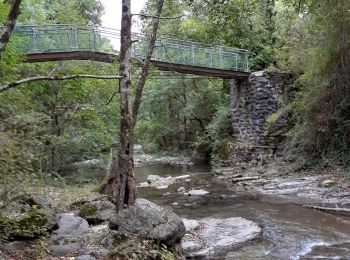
[47,126]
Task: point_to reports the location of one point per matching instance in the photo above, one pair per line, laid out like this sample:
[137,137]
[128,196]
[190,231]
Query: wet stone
[217,235]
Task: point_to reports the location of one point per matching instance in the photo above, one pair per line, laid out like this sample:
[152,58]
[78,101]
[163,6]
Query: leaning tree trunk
[9,26]
[120,180]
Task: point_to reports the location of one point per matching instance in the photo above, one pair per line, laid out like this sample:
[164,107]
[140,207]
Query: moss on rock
[88,210]
[30,224]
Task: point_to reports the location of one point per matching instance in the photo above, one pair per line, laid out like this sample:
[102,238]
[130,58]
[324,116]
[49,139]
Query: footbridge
[58,42]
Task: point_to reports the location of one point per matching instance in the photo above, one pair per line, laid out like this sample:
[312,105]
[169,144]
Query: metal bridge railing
[75,37]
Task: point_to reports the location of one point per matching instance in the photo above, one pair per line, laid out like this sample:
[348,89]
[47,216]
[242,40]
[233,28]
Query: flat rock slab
[215,236]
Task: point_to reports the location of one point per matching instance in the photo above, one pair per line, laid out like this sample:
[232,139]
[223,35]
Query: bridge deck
[84,42]
[109,58]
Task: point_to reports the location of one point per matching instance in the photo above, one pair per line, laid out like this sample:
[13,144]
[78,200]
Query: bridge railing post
[221,55]
[35,46]
[246,61]
[94,39]
[193,53]
[235,61]
[73,39]
[210,55]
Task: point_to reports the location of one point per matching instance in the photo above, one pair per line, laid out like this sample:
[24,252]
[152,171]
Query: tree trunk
[9,26]
[120,180]
[125,188]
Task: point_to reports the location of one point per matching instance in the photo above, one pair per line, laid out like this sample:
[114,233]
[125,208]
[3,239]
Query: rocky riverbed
[268,196]
[239,212]
[278,179]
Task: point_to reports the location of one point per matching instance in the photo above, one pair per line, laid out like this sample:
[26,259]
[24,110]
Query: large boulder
[149,221]
[71,225]
[215,236]
[67,239]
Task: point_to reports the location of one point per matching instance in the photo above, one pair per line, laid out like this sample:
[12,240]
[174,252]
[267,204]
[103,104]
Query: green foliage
[15,162]
[48,125]
[184,107]
[88,210]
[244,24]
[219,132]
[321,107]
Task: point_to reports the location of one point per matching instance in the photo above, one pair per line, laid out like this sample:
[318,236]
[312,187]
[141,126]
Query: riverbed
[290,231]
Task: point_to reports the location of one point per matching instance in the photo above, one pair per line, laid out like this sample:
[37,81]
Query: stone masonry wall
[252,103]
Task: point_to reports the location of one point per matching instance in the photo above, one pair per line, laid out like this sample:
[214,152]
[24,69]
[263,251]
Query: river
[290,231]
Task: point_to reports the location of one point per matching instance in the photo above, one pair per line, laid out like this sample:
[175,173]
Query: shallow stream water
[289,230]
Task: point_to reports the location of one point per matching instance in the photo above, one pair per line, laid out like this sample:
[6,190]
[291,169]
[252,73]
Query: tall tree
[9,26]
[121,181]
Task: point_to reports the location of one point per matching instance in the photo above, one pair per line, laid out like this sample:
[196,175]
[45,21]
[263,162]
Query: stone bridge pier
[258,124]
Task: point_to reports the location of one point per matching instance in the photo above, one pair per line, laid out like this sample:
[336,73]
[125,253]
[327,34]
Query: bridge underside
[110,58]
[71,55]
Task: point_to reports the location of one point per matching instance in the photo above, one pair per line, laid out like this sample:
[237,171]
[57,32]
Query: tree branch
[9,26]
[50,78]
[159,17]
[111,98]
[146,64]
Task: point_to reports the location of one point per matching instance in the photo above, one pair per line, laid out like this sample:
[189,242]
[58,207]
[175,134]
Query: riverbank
[281,178]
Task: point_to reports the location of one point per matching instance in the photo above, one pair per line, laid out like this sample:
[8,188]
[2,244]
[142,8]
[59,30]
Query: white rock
[162,187]
[328,183]
[153,178]
[258,73]
[181,189]
[137,147]
[190,224]
[200,192]
[192,245]
[188,180]
[175,204]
